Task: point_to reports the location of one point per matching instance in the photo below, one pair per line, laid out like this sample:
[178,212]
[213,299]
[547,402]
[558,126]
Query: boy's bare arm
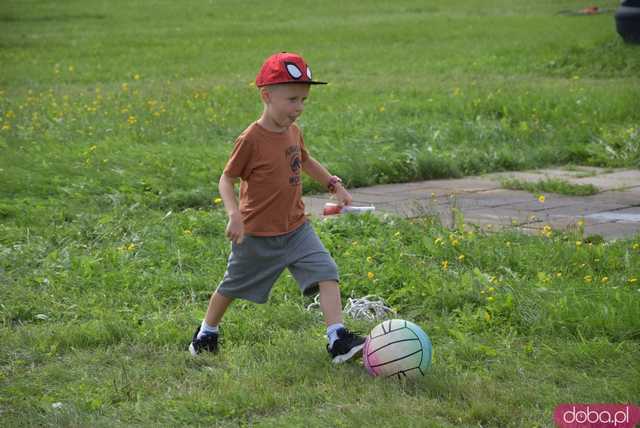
[316,171]
[320,174]
[226,187]
[235,227]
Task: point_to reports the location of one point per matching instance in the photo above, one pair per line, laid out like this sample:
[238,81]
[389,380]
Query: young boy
[268,229]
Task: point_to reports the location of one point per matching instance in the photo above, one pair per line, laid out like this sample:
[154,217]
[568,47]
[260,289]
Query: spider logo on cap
[295,72]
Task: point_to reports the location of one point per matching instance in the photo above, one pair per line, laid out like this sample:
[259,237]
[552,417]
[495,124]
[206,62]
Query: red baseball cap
[285,67]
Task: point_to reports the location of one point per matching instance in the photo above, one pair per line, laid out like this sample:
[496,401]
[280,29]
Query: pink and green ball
[397,348]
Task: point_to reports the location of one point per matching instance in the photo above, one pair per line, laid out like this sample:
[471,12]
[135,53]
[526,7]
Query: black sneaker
[208,342]
[346,346]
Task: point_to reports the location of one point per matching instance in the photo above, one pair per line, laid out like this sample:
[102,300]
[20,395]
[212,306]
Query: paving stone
[615,180]
[628,197]
[386,189]
[492,198]
[582,208]
[612,214]
[615,230]
[427,188]
[551,202]
[629,215]
[578,172]
[528,176]
[365,197]
[460,185]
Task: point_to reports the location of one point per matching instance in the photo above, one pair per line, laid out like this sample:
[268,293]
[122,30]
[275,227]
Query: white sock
[207,329]
[332,333]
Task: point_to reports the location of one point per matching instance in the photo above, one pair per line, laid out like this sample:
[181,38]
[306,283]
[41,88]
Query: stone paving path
[614,212]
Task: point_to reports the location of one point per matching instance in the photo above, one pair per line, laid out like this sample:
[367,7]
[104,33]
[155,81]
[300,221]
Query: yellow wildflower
[370,275]
[217,201]
[604,279]
[541,199]
[132,120]
[632,280]
[587,278]
[445,265]
[461,257]
[369,259]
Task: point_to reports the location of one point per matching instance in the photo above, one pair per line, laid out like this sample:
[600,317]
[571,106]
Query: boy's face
[285,103]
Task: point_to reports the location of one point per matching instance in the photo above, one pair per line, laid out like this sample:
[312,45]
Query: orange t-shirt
[269,165]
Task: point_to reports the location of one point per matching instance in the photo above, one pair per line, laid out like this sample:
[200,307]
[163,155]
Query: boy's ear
[265,95]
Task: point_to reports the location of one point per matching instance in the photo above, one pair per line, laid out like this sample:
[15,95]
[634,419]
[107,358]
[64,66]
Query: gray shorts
[255,265]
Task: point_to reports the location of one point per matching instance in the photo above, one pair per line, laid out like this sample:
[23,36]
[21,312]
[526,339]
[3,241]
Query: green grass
[116,119]
[426,92]
[101,324]
[550,185]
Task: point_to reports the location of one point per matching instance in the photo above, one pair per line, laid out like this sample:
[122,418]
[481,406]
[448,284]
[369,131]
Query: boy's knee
[331,283]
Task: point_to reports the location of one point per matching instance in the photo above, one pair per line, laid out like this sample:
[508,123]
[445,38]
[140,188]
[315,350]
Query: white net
[369,308]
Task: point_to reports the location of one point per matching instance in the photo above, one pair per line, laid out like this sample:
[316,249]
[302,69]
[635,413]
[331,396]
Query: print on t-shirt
[293,157]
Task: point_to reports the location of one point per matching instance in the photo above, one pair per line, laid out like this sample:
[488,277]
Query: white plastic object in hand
[331,208]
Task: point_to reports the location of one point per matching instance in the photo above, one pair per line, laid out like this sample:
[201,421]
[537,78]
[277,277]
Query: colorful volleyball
[397,348]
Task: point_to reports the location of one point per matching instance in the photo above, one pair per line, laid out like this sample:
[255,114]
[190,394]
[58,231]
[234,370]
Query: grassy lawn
[117,118]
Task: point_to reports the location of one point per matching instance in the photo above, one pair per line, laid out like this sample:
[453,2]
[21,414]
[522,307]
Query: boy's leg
[343,344]
[315,271]
[218,305]
[330,302]
[206,336]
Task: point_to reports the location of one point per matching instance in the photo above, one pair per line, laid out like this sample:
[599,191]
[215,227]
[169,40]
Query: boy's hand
[235,228]
[343,197]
